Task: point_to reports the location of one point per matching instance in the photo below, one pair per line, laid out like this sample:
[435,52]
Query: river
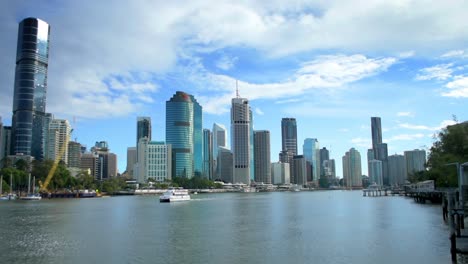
[280,227]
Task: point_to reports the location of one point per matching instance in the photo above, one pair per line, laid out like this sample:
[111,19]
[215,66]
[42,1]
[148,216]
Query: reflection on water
[299,227]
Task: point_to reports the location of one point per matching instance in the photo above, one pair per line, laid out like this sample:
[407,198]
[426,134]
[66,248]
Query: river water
[287,227]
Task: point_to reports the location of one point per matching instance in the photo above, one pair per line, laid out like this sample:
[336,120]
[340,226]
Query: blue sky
[330,64]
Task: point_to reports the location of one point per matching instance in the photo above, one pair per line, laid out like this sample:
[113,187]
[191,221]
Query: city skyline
[332,89]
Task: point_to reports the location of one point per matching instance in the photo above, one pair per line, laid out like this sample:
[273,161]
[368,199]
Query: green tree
[451,146]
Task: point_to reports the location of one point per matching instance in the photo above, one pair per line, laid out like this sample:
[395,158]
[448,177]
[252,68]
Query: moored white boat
[174,195]
[32,197]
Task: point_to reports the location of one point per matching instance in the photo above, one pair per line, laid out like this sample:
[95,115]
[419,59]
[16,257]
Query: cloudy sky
[330,64]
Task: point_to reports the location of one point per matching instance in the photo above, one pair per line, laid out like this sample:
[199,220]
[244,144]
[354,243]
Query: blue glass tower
[197,137]
[29,101]
[180,123]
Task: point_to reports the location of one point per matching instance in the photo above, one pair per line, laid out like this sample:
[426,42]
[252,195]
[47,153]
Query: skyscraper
[131,160]
[324,155]
[29,101]
[240,140]
[289,135]
[74,154]
[352,172]
[219,140]
[311,150]
[375,172]
[225,165]
[262,160]
[143,128]
[197,137]
[415,161]
[207,154]
[396,169]
[376,129]
[300,170]
[154,161]
[180,133]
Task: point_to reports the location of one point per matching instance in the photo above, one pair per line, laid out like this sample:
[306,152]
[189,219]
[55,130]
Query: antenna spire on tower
[237,90]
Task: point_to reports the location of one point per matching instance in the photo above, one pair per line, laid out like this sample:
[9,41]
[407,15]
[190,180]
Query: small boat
[174,195]
[9,196]
[31,196]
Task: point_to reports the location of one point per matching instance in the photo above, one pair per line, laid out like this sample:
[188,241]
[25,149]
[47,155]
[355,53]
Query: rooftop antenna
[237,90]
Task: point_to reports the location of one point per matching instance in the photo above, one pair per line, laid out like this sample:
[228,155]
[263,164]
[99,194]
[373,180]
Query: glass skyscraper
[207,154]
[29,101]
[289,135]
[143,130]
[197,137]
[183,119]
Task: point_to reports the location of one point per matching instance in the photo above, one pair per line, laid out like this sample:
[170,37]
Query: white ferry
[174,195]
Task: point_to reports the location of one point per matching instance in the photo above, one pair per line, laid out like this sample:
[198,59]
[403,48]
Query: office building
[143,129]
[280,173]
[74,154]
[375,172]
[207,154]
[352,171]
[289,135]
[180,133]
[197,137]
[225,165]
[311,151]
[30,89]
[154,161]
[131,160]
[415,161]
[376,129]
[89,163]
[240,140]
[397,170]
[262,162]
[219,140]
[300,170]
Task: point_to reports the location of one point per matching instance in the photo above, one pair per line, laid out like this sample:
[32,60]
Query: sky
[332,65]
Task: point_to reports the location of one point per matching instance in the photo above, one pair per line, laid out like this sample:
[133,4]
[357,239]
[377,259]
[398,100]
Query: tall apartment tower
[143,129]
[380,149]
[352,171]
[262,160]
[180,134]
[29,100]
[59,133]
[240,140]
[397,170]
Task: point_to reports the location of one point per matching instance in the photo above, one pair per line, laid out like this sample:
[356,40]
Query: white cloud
[325,72]
[344,130]
[438,72]
[226,63]
[362,142]
[405,114]
[453,53]
[401,137]
[442,125]
[258,111]
[406,54]
[458,88]
[287,101]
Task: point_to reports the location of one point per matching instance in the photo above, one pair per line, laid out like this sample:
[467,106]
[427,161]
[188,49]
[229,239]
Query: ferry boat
[174,195]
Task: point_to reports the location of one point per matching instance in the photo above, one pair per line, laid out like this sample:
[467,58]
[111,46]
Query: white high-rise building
[280,173]
[240,140]
[58,139]
[154,161]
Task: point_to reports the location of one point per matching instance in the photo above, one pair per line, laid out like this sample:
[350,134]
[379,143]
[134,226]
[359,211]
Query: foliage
[113,185]
[450,147]
[196,182]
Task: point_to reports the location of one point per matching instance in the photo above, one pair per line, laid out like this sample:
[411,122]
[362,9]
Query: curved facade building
[29,102]
[180,133]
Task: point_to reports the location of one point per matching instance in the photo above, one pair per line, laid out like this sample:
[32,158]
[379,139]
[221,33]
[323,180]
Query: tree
[451,146]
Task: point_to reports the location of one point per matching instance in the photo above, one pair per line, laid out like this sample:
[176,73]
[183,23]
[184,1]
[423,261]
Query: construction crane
[43,186]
